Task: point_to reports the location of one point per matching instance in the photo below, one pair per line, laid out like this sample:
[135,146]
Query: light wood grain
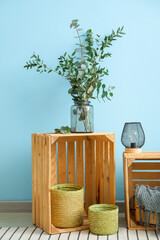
[71,162]
[37,184]
[126,191]
[97,171]
[148,166]
[133,150]
[146,175]
[33,180]
[143,156]
[101,170]
[149,183]
[47,220]
[62,162]
[109,135]
[88,173]
[41,179]
[79,157]
[107,173]
[53,165]
[84,226]
[112,173]
[130,176]
[93,151]
[44,184]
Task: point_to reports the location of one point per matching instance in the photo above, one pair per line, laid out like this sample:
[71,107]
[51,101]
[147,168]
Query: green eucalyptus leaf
[112,87]
[63,130]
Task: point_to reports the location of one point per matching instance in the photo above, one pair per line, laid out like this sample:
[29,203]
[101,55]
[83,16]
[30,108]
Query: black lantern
[133,135]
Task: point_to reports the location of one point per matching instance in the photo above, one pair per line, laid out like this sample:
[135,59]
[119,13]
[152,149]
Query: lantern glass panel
[133,135]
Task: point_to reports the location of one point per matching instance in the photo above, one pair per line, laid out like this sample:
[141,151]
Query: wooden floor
[18,226]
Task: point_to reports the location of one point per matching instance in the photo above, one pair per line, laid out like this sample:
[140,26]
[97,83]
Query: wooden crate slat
[71,162]
[41,179]
[68,135]
[145,175]
[107,172]
[62,162]
[33,180]
[101,166]
[147,166]
[88,175]
[143,156]
[53,164]
[84,226]
[149,183]
[112,173]
[97,171]
[47,186]
[93,151]
[126,190]
[90,193]
[131,193]
[79,157]
[70,139]
[44,183]
[37,183]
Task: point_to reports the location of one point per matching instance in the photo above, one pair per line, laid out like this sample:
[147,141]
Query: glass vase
[82,117]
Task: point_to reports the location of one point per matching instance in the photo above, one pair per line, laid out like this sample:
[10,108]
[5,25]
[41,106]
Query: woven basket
[103,219]
[67,205]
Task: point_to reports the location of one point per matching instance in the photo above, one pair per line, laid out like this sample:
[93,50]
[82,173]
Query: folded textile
[148,199]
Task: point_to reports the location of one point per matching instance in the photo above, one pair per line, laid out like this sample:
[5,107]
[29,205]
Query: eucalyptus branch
[106,43]
[41,67]
[84,73]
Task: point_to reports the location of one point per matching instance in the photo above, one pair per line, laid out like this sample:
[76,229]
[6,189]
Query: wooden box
[85,159]
[139,168]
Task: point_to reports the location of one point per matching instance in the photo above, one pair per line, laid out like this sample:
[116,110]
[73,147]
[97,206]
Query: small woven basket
[67,205]
[103,219]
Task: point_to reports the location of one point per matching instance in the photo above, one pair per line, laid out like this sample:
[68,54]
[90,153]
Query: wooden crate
[139,168]
[85,159]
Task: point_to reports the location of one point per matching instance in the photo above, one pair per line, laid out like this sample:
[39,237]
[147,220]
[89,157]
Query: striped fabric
[33,233]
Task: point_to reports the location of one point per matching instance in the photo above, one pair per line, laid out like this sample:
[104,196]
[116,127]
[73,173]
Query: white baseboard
[26,206]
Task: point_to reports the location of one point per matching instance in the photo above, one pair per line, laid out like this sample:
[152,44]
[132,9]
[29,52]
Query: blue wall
[30,102]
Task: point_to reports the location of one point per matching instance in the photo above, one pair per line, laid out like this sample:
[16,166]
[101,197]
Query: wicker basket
[103,219]
[67,205]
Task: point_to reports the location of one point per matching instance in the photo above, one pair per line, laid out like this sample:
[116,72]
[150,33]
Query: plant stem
[80,43]
[84,122]
[57,72]
[76,122]
[81,50]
